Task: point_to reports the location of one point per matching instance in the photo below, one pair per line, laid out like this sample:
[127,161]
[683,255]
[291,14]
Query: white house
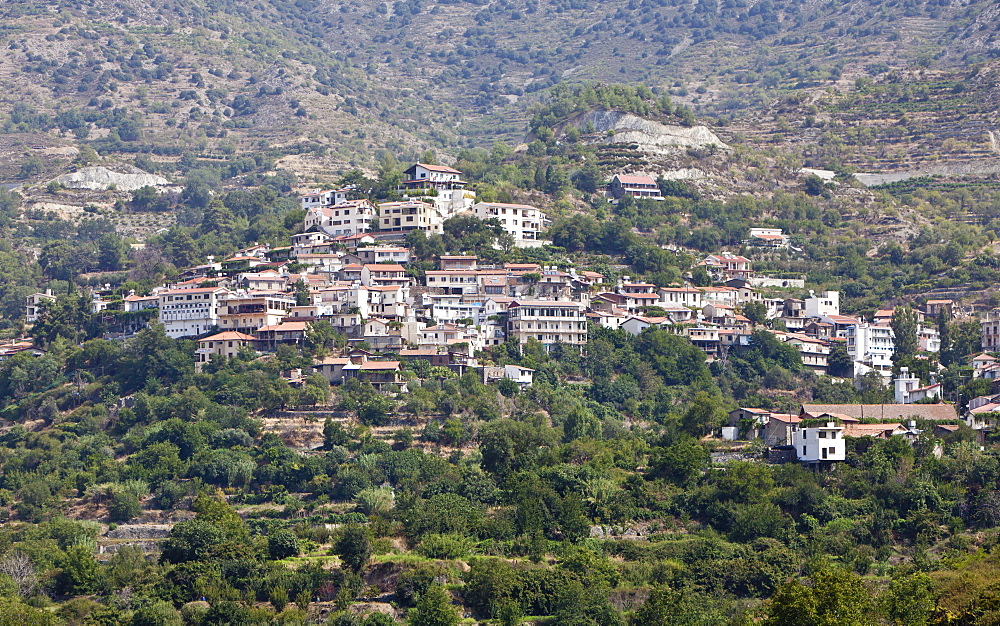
[350,217]
[929,339]
[326,197]
[190,312]
[636,324]
[523,376]
[441,185]
[768,237]
[872,345]
[682,296]
[409,215]
[33,304]
[907,388]
[523,222]
[816,444]
[826,303]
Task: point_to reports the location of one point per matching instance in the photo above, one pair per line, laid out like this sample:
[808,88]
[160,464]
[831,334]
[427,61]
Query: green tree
[835,598]
[80,572]
[159,613]
[302,297]
[112,252]
[909,600]
[282,544]
[200,187]
[354,547]
[434,608]
[840,363]
[680,462]
[904,326]
[703,414]
[374,410]
[755,311]
[334,434]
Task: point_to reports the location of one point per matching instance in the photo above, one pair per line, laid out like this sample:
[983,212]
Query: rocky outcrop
[102,178]
[140,531]
[651,137]
[978,166]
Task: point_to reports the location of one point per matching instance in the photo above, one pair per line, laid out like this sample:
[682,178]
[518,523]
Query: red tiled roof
[631,179]
[229,335]
[380,365]
[438,168]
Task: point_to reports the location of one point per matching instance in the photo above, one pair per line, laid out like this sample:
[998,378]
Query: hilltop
[337,83]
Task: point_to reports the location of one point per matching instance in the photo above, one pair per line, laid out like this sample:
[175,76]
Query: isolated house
[637,186]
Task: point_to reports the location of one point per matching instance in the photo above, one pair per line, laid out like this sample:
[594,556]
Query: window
[803,450]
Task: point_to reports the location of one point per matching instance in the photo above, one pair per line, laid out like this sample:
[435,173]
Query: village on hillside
[349,268]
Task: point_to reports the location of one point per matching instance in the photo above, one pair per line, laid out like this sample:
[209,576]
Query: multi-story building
[815,352]
[821,305]
[190,312]
[523,222]
[225,344]
[326,197]
[409,215]
[637,186]
[872,346]
[33,305]
[439,185]
[384,275]
[726,266]
[269,337]
[706,338]
[990,324]
[455,282]
[246,312]
[818,444]
[907,389]
[928,339]
[347,218]
[547,321]
[682,296]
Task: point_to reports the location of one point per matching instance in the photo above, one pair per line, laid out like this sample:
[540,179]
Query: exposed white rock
[824,174]
[652,137]
[684,173]
[101,178]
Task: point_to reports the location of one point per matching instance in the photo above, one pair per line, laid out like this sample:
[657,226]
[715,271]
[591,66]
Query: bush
[445,546]
[282,544]
[124,506]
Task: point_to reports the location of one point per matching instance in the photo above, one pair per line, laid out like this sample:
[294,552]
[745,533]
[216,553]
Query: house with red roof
[225,344]
[768,238]
[635,185]
[440,185]
[727,265]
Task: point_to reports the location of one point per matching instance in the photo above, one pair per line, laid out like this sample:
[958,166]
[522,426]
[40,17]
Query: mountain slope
[342,80]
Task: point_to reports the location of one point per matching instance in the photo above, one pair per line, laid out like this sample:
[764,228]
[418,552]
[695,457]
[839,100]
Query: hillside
[337,82]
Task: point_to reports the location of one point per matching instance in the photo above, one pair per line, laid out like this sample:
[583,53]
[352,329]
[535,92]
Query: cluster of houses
[815,435]
[433,194]
[350,267]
